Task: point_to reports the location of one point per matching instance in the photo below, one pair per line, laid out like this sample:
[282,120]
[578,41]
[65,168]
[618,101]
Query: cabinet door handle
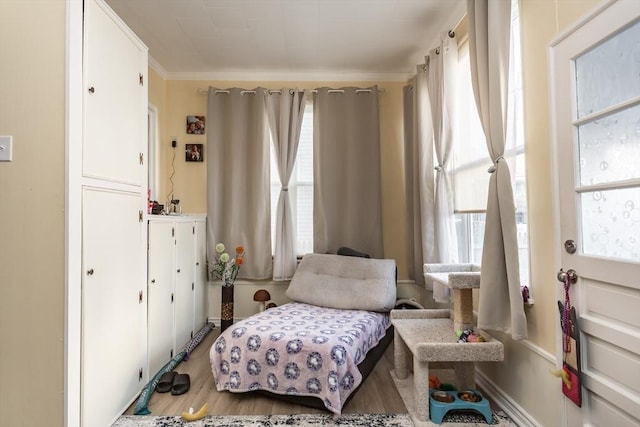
[91,89]
[153,280]
[178,270]
[90,272]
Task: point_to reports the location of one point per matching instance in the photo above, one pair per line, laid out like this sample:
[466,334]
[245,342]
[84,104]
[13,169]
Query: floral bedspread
[297,349]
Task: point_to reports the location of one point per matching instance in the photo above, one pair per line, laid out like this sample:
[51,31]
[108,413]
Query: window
[300,188]
[470,159]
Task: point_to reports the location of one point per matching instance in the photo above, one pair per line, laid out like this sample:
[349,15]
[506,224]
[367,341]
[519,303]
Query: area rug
[457,419]
[311,420]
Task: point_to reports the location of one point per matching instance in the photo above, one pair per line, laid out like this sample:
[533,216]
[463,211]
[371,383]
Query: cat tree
[428,336]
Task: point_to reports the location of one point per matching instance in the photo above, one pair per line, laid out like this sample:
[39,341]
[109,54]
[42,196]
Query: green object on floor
[143,400]
[141,406]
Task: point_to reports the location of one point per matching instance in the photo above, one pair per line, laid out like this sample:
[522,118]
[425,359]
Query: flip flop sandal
[165,382]
[181,384]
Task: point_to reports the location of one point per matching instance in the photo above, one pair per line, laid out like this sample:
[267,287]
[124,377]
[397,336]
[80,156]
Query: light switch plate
[6,148]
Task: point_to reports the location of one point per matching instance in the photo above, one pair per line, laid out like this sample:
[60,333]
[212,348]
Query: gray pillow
[342,282]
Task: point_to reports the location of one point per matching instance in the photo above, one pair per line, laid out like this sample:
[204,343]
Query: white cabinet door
[160,290]
[200,300]
[184,285]
[113,314]
[115,98]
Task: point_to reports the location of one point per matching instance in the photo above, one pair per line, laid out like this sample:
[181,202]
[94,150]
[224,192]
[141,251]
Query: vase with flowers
[225,268]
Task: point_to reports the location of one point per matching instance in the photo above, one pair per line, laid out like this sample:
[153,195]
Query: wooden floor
[376,395]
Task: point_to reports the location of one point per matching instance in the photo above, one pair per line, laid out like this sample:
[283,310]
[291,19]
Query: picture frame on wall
[195,125]
[194,152]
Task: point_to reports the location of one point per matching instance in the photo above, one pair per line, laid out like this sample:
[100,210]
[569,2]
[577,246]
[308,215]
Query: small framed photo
[194,153]
[195,125]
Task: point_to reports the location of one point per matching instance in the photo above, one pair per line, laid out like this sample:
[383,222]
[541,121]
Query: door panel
[160,287]
[200,295]
[185,276]
[595,104]
[600,296]
[605,414]
[113,338]
[115,101]
[611,362]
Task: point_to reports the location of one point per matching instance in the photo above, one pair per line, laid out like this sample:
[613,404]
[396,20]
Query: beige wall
[32,201]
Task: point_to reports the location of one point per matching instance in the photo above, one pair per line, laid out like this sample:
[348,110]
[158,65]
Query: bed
[319,348]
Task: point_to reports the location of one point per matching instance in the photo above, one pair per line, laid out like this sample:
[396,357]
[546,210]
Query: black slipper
[165,382]
[181,384]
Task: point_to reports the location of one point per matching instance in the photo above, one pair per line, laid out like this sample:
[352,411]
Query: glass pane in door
[608,74]
[610,225]
[609,148]
[608,87]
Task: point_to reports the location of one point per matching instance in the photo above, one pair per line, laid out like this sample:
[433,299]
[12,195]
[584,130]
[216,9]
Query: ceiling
[288,39]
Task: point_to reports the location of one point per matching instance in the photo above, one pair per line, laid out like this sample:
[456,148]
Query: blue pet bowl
[441,402]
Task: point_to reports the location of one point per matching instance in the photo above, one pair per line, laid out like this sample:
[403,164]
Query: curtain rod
[272,91]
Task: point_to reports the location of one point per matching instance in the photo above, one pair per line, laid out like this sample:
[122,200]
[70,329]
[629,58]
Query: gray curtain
[442,65]
[419,174]
[347,182]
[238,186]
[500,306]
[285,110]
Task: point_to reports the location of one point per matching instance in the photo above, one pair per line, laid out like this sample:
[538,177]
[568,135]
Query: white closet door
[185,276]
[115,98]
[113,316]
[160,290]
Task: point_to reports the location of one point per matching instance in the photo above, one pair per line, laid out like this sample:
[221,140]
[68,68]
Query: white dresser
[176,284]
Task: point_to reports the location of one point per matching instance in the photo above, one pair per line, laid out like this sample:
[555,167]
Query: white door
[595,114]
[113,308]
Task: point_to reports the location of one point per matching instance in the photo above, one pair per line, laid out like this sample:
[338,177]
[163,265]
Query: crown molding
[155,66]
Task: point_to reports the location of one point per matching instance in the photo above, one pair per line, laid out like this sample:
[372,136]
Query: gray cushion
[345,282]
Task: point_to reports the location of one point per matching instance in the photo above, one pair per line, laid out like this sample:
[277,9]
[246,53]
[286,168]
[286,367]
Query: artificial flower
[225,268]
